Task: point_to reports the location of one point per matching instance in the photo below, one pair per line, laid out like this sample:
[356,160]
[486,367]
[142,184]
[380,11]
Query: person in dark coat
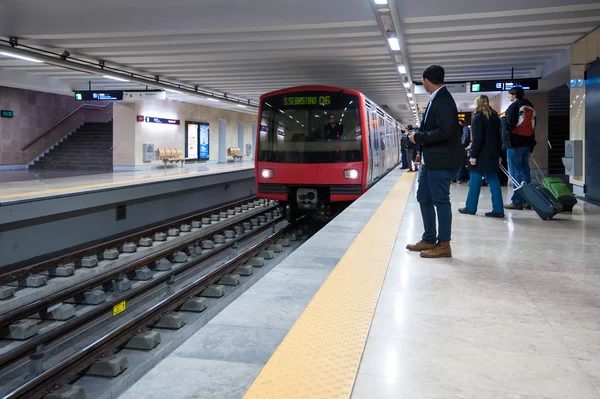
[486,152]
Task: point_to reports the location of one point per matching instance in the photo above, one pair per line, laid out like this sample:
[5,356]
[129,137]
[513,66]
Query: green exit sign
[476,87]
[78,96]
[6,114]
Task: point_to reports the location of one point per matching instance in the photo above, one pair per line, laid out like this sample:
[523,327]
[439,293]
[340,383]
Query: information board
[192,133]
[166,121]
[99,95]
[204,141]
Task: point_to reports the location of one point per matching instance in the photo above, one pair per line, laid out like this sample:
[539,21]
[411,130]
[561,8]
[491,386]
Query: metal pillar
[222,141]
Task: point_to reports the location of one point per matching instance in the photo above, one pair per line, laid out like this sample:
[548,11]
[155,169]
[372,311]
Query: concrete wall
[34,112]
[540,101]
[130,135]
[584,51]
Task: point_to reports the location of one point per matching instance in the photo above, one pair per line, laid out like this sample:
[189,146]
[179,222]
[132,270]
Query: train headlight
[351,174]
[267,173]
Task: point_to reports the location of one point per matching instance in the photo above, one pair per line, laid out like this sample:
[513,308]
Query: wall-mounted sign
[140,118]
[6,113]
[204,140]
[166,121]
[313,100]
[99,95]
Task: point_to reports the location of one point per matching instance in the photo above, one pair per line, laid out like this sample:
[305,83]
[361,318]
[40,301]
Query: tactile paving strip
[111,184]
[320,356]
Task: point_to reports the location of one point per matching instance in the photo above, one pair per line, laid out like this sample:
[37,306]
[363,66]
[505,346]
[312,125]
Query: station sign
[165,121]
[6,113]
[501,85]
[99,95]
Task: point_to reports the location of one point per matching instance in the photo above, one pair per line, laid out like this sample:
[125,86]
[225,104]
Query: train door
[368,133]
[373,137]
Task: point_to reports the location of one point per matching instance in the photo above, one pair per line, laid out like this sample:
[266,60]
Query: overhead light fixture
[407,84]
[114,78]
[401,68]
[394,43]
[409,94]
[380,2]
[174,91]
[213,99]
[412,102]
[21,57]
[241,106]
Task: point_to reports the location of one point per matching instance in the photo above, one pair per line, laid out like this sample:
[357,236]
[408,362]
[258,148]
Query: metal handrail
[62,120]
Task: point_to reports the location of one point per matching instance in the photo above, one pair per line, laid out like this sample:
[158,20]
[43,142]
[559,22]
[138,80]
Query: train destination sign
[152,119]
[502,85]
[313,100]
[99,95]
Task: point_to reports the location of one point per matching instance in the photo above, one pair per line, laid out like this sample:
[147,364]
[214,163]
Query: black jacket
[466,136]
[486,147]
[440,135]
[512,118]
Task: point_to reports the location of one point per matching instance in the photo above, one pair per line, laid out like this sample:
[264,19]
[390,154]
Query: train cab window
[310,127]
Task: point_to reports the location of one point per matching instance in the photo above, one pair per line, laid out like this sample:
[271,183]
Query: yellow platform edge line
[320,355]
[111,184]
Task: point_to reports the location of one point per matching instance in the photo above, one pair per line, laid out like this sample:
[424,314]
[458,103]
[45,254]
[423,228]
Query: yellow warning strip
[113,184]
[320,356]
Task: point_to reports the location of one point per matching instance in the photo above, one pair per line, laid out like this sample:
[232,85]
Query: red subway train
[318,148]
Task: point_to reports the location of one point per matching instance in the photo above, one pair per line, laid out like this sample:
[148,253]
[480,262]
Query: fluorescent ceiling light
[114,78]
[409,94]
[394,43]
[21,57]
[412,102]
[380,2]
[213,99]
[402,69]
[241,106]
[174,91]
[407,84]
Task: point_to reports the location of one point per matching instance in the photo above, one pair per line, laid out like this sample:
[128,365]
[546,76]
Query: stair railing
[26,146]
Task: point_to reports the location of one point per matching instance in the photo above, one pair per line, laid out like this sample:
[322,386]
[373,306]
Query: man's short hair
[518,92]
[409,127]
[434,74]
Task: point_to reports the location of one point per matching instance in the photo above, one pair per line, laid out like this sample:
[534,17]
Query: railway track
[59,352]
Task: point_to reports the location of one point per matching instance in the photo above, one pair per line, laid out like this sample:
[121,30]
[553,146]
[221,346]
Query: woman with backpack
[486,150]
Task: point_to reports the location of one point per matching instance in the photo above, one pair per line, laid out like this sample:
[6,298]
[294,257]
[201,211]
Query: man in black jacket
[442,155]
[520,147]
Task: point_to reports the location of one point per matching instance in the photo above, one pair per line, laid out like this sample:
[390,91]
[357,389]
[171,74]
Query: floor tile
[183,378]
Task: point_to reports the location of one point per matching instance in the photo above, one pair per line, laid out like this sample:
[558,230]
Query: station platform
[351,313]
[44,218]
[20,186]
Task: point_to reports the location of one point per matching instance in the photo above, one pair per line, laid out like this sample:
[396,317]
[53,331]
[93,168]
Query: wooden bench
[235,153]
[170,155]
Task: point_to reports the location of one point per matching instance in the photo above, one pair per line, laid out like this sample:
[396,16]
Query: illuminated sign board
[6,114]
[503,85]
[312,100]
[99,95]
[152,119]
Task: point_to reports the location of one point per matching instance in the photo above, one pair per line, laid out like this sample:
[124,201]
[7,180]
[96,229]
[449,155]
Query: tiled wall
[130,135]
[34,112]
[584,51]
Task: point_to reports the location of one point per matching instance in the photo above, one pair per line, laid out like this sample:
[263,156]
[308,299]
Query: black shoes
[465,211]
[494,215]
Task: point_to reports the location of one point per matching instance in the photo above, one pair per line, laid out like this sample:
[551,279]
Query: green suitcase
[561,192]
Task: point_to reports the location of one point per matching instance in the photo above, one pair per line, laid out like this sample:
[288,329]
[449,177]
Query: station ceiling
[248,47]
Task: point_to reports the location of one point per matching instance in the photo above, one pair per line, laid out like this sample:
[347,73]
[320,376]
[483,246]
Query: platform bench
[170,155]
[235,153]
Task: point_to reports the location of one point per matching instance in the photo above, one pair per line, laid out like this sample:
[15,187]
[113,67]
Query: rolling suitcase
[541,200]
[560,190]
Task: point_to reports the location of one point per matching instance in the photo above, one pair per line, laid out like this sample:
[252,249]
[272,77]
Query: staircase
[88,148]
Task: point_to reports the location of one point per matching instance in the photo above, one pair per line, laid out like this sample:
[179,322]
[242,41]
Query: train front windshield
[310,127]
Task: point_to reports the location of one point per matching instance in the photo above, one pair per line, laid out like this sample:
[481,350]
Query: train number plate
[119,308]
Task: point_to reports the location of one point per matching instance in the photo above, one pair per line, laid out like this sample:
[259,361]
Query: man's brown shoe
[441,250]
[420,246]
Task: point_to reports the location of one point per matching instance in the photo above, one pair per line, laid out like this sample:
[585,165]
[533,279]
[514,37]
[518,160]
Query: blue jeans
[518,166]
[475,189]
[433,194]
[404,159]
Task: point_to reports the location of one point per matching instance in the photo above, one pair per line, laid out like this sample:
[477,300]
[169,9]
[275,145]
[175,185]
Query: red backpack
[526,124]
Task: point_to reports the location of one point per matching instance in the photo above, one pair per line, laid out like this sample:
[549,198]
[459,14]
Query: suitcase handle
[538,171]
[519,185]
